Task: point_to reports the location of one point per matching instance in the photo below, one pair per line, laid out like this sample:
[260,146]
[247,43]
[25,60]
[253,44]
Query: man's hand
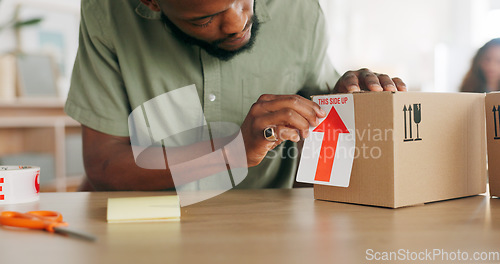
[289,115]
[364,79]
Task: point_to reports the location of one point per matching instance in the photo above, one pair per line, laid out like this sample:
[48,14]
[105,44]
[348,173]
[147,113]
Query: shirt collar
[145,12]
[260,9]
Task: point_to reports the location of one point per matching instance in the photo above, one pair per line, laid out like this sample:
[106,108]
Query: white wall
[428,43]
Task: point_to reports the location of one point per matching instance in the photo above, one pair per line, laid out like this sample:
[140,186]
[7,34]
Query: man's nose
[235,21]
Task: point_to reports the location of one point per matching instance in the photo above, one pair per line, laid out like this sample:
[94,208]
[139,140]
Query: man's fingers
[289,116]
[306,108]
[369,81]
[401,86]
[349,83]
[364,79]
[267,97]
[283,122]
[286,133]
[286,118]
[386,82]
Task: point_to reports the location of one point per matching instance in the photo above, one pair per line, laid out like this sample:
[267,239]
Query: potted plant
[15,24]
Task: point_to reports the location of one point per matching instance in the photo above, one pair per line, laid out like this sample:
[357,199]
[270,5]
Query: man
[247,58]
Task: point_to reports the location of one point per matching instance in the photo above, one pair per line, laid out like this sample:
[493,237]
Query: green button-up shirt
[127,57]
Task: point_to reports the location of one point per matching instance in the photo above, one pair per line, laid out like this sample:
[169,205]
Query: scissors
[49,220]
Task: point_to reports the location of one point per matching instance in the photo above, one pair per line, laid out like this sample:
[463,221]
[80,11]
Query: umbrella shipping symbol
[328,152]
[496,120]
[417,118]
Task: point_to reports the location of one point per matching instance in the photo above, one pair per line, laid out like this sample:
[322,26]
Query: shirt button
[211,97]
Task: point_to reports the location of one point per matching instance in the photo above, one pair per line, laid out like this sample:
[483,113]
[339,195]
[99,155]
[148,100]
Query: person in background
[484,74]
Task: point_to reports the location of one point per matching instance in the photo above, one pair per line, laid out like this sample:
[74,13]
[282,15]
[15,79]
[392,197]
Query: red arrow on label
[332,126]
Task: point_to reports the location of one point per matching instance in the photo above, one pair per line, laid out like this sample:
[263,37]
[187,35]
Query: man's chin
[236,44]
[229,49]
[225,50]
[233,48]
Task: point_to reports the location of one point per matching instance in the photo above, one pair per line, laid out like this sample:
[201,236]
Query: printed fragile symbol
[332,126]
[417,117]
[408,121]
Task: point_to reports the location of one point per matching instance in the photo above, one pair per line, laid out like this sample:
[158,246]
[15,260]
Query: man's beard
[212,48]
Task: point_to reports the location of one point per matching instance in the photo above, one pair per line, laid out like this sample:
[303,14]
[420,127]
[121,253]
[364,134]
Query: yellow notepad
[144,209]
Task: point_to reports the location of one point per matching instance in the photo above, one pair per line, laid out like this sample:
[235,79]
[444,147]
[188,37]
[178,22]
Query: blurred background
[428,43]
[38,44]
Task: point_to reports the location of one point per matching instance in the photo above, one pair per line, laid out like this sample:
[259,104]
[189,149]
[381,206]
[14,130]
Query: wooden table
[257,226]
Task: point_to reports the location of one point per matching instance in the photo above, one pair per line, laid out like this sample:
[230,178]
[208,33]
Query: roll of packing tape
[19,184]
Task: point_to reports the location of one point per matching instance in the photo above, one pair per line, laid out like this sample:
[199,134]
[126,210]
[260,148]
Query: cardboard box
[414,148]
[492,107]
